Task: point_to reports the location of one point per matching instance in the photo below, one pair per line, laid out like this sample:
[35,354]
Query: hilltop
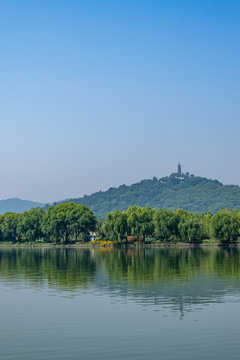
[192,193]
[17,205]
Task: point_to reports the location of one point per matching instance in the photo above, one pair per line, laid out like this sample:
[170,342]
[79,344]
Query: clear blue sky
[94,94]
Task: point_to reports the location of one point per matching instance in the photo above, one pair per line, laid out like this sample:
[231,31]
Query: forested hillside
[191,193]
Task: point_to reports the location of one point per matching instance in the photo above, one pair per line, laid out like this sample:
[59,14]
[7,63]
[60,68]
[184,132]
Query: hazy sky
[99,93]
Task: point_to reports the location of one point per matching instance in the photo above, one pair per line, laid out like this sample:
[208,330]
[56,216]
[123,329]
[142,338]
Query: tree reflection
[176,277]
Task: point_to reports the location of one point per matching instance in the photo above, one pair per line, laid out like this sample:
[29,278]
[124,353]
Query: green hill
[191,193]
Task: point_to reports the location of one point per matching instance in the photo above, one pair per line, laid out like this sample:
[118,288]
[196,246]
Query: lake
[142,303]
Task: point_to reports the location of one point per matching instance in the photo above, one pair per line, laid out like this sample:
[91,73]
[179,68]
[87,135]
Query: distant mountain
[189,192]
[17,205]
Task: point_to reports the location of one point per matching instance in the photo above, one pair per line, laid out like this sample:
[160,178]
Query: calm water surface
[139,304]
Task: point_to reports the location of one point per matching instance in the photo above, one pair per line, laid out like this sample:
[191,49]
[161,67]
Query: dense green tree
[83,221]
[165,224]
[115,226]
[226,225]
[191,230]
[205,221]
[9,226]
[67,221]
[30,224]
[192,227]
[139,221]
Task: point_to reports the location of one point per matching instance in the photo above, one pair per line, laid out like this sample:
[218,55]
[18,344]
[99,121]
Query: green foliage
[68,221]
[139,221]
[135,221]
[63,223]
[190,230]
[165,224]
[226,225]
[9,226]
[115,226]
[191,193]
[30,225]
[172,226]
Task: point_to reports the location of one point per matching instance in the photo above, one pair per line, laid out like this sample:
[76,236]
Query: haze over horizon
[95,94]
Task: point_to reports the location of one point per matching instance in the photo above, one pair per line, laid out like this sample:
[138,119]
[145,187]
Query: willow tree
[68,221]
[226,225]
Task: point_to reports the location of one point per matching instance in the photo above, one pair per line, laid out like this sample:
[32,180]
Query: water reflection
[179,278]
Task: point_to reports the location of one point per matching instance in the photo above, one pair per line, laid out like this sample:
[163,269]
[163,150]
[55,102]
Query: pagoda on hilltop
[179,169]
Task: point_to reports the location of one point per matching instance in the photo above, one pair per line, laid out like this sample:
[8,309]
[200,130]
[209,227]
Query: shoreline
[76,246]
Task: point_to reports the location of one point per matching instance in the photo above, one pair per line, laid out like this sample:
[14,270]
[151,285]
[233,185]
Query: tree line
[69,222]
[63,223]
[172,226]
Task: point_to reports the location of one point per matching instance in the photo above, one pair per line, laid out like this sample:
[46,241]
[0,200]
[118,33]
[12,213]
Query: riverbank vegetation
[69,223]
[177,226]
[60,224]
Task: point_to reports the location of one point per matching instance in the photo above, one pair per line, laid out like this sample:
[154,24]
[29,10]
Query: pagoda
[179,169]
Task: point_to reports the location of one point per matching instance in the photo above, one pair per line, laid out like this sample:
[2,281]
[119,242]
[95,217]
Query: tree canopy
[69,222]
[172,226]
[63,223]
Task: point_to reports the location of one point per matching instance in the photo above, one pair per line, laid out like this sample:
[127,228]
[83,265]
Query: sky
[99,93]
